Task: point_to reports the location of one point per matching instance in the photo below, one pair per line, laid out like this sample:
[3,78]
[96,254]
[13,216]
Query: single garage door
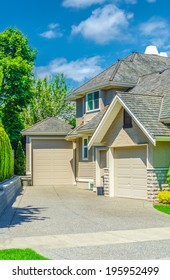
[52,162]
[130,172]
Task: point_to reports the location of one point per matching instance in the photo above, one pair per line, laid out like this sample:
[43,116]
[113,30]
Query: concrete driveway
[69,223]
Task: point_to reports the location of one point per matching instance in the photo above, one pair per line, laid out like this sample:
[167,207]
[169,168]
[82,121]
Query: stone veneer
[156,181]
[106,181]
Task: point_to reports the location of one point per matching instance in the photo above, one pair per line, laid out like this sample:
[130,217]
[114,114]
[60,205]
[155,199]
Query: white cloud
[81,3]
[156,30]
[104,25]
[77,70]
[54,32]
[53,25]
[51,34]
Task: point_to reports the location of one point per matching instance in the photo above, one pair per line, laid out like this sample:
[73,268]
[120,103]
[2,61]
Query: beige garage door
[52,162]
[130,172]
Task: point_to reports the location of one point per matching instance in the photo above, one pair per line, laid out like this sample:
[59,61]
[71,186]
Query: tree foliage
[6,157]
[49,99]
[20,160]
[16,78]
[168,177]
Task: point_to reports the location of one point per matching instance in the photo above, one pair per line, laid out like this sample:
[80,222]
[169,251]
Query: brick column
[106,181]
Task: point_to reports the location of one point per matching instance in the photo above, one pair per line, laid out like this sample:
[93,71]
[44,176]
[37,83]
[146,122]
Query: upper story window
[127,120]
[92,101]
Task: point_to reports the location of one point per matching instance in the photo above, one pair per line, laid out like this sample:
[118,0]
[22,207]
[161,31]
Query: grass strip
[20,254]
[163,208]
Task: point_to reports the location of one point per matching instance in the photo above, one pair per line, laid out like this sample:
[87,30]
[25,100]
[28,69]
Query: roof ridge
[117,66]
[160,111]
[118,61]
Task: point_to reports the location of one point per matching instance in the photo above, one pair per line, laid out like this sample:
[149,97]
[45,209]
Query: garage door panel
[130,172]
[52,166]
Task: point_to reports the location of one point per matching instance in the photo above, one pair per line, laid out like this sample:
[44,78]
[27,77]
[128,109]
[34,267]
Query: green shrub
[164,197]
[20,161]
[168,177]
[6,157]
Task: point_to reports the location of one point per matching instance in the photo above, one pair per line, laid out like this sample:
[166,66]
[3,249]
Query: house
[122,135]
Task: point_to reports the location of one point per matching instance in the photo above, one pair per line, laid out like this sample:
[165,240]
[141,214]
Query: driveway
[70,223]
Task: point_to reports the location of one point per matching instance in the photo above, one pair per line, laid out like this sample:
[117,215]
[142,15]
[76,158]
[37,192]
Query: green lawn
[20,254]
[163,208]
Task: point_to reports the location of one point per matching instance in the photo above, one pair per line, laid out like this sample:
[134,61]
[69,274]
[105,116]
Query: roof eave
[25,133]
[73,96]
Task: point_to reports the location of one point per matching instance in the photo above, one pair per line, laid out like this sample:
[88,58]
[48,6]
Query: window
[85,148]
[92,101]
[127,120]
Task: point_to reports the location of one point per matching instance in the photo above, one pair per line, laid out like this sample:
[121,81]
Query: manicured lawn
[163,208]
[20,254]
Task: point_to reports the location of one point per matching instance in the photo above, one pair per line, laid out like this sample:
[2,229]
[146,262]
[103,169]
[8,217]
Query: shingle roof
[156,84]
[124,72]
[49,126]
[91,125]
[146,109]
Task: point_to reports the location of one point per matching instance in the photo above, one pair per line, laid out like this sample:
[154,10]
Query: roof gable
[144,110]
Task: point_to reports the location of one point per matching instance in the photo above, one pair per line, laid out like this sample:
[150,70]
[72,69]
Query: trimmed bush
[6,157]
[164,197]
[168,177]
[20,161]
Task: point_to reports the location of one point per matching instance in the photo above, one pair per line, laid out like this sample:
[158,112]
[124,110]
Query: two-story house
[122,138]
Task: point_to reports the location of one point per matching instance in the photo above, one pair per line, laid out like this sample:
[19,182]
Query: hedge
[6,157]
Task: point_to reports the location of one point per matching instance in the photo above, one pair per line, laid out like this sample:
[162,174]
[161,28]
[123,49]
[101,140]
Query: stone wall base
[106,182]
[8,192]
[156,181]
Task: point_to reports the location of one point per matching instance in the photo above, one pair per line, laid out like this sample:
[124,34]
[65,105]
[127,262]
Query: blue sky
[83,37]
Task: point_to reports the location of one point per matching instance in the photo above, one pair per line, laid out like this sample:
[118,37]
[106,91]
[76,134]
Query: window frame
[93,101]
[85,147]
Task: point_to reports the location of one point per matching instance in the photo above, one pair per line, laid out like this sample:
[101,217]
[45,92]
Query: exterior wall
[28,156]
[117,136]
[161,154]
[107,96]
[79,111]
[81,115]
[84,168]
[156,176]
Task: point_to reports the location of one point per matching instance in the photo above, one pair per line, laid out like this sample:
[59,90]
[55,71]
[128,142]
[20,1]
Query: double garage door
[52,162]
[130,172]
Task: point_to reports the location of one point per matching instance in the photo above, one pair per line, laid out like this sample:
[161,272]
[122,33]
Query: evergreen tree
[20,160]
[6,156]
